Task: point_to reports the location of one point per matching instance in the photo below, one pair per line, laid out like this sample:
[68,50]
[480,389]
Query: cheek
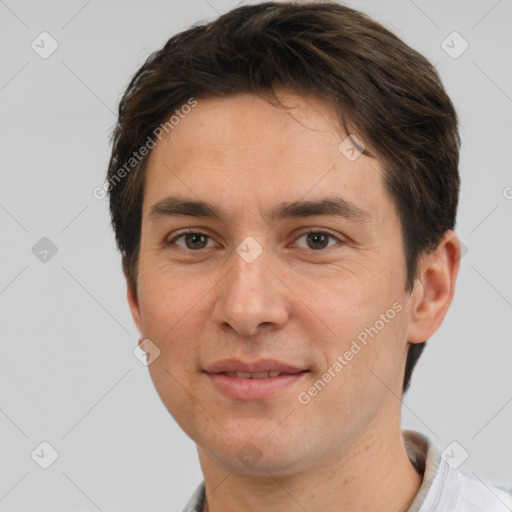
[164,295]
[365,340]
[344,305]
[169,308]
[169,312]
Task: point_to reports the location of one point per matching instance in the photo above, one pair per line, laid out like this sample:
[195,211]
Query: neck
[374,473]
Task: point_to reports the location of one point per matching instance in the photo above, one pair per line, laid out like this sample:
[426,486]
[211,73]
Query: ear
[434,288]
[133,302]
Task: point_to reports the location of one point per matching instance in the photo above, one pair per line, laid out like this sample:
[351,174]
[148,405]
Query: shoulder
[448,487]
[479,496]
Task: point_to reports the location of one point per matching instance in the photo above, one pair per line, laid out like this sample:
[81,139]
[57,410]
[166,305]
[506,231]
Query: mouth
[261,368]
[257,375]
[258,380]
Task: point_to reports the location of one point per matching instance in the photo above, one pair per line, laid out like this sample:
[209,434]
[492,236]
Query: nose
[252,298]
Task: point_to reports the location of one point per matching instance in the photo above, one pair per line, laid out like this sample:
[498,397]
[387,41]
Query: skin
[298,302]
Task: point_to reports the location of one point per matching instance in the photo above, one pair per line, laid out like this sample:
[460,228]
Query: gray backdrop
[68,373]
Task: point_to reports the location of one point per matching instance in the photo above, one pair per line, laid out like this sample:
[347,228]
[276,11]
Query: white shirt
[446,489]
[443,488]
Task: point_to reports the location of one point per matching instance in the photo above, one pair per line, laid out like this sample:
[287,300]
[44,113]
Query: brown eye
[317,240]
[193,240]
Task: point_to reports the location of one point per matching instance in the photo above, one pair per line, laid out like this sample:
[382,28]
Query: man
[283,188]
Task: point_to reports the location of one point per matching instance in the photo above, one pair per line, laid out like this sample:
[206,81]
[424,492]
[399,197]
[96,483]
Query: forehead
[242,151]
[229,125]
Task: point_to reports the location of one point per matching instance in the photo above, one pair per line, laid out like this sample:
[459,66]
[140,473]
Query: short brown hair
[389,95]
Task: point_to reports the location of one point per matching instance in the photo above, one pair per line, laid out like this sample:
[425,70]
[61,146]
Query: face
[291,261]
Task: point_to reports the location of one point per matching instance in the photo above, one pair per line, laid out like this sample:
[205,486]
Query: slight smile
[253,381]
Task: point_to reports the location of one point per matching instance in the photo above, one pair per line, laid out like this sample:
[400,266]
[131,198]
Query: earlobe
[133,302]
[434,289]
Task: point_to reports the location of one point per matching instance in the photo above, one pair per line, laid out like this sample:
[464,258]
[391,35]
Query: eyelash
[305,233]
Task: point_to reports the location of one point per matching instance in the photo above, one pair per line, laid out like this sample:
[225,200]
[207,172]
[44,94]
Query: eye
[193,240]
[317,240]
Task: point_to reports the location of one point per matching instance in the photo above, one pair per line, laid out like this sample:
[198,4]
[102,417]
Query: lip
[253,389]
[261,365]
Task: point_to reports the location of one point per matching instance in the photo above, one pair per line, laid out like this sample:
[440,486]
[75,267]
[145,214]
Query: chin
[256,454]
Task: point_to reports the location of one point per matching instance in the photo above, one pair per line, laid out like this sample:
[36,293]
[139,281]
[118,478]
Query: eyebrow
[334,206]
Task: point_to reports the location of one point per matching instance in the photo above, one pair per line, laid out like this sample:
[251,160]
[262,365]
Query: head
[268,105]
